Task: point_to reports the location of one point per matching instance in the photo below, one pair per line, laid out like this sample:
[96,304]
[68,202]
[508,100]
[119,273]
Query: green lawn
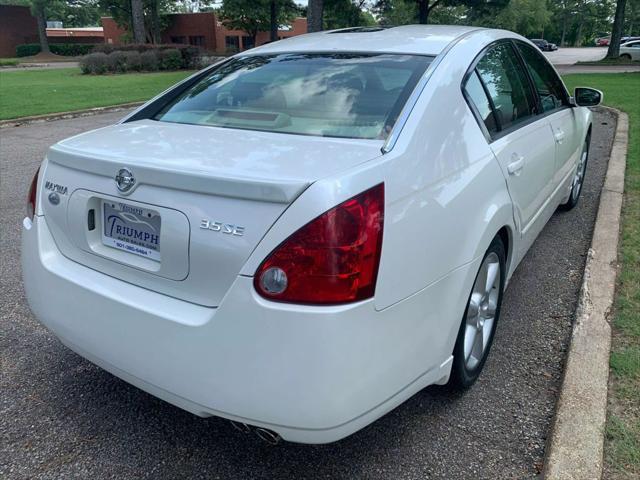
[38,92]
[8,62]
[622,449]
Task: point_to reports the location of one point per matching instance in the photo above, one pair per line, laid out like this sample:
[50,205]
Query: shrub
[170,59]
[190,54]
[71,49]
[133,61]
[94,63]
[149,61]
[117,62]
[64,49]
[27,50]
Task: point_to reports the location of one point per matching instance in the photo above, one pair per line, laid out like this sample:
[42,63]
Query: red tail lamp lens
[333,259]
[31,196]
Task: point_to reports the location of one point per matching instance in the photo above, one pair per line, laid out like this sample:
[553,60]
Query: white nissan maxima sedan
[300,238]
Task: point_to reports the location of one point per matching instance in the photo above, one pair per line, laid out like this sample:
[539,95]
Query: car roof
[410,39]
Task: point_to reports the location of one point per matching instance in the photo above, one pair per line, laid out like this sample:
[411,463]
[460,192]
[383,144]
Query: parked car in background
[603,41]
[628,39]
[543,45]
[300,238]
[630,50]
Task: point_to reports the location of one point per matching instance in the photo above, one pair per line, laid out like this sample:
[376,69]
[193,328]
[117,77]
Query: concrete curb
[17,122]
[575,447]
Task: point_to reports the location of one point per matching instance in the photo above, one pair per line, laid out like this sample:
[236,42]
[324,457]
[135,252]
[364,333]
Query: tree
[632,18]
[423,10]
[153,16]
[38,8]
[527,17]
[75,13]
[346,13]
[273,20]
[255,16]
[137,21]
[396,12]
[616,30]
[315,9]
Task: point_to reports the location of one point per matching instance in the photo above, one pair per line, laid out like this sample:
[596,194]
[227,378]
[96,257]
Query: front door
[554,103]
[523,141]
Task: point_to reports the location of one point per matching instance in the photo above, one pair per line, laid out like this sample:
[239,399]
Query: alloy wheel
[481,311]
[578,179]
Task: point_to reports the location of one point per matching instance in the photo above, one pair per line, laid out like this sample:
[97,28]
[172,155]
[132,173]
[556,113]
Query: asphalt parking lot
[571,55]
[63,417]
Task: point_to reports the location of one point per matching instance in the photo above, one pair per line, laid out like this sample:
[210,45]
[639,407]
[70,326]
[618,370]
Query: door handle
[516,165]
[559,135]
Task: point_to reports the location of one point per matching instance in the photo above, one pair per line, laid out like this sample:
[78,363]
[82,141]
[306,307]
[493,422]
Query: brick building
[203,30]
[75,35]
[17,26]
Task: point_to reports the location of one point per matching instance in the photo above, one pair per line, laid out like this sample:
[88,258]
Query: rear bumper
[312,374]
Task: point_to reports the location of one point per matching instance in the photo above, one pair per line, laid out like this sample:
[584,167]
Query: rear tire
[481,316]
[578,179]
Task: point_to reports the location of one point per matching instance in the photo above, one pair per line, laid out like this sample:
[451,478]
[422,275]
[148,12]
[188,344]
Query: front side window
[325,94]
[547,83]
[507,85]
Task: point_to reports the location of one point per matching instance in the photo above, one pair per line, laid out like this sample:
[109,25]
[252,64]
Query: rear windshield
[333,95]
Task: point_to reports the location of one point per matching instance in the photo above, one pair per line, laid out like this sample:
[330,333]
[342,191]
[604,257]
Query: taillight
[331,260]
[31,196]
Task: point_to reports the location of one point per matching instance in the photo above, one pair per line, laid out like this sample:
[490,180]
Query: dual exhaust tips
[266,435]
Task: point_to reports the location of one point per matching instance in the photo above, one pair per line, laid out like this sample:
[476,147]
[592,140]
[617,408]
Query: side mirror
[587,97]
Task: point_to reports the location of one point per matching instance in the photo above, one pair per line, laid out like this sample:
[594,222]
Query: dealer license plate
[132,229]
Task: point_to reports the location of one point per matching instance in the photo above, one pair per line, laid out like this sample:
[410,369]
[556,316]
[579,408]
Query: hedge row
[190,54]
[119,61]
[64,49]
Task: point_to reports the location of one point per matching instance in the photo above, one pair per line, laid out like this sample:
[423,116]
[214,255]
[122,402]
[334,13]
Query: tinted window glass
[547,83]
[508,86]
[336,95]
[477,95]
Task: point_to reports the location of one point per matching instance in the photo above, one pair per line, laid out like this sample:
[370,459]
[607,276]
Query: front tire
[480,318]
[578,178]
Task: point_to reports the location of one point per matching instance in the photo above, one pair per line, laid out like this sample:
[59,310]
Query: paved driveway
[571,55]
[40,66]
[63,417]
[565,60]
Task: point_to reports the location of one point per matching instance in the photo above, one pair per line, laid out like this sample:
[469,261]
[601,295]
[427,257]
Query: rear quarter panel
[446,197]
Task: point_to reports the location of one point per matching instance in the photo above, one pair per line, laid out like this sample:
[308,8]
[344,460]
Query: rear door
[521,139]
[554,104]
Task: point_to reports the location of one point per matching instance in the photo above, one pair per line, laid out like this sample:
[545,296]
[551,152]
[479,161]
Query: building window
[247,43]
[181,40]
[232,44]
[196,40]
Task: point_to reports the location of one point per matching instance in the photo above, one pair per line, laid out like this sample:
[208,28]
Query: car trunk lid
[210,193]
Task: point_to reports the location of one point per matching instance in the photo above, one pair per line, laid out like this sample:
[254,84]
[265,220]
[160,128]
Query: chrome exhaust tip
[241,427]
[272,438]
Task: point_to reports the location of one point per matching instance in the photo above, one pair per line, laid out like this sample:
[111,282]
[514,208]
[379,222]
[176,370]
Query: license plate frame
[130,228]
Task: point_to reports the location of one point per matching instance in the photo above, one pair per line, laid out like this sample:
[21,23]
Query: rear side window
[476,94]
[507,85]
[548,84]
